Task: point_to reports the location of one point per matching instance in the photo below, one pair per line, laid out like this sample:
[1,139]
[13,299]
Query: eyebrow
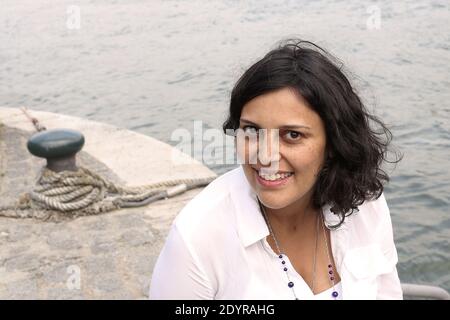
[289,126]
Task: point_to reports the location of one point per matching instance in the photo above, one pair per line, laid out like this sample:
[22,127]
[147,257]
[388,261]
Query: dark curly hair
[352,171]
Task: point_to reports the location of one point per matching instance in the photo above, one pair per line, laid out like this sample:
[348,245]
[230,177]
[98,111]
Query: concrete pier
[107,256]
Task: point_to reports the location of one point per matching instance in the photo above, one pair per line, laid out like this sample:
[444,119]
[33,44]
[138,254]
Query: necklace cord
[291,285]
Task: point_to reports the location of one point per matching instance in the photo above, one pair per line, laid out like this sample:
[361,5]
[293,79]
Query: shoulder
[210,210]
[375,212]
[372,221]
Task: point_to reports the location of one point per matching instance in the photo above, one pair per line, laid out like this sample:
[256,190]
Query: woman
[308,218]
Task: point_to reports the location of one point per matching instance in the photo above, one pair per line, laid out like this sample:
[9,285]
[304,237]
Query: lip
[271,184]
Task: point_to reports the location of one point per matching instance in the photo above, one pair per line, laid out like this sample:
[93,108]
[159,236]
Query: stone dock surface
[106,256]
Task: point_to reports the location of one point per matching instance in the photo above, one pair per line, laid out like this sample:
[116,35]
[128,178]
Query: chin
[273,201]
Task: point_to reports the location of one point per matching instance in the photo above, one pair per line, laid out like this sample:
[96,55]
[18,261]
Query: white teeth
[273,177]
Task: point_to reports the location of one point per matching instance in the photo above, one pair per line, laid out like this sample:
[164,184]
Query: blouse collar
[250,222]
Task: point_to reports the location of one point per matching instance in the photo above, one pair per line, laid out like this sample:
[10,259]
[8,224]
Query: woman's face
[301,150]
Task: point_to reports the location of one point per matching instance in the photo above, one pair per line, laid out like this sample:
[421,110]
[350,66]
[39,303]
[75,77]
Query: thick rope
[72,194]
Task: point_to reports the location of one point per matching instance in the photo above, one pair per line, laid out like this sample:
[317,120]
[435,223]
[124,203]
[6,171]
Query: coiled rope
[71,194]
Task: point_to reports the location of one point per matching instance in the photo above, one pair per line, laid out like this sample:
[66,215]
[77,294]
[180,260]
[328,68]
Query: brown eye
[293,135]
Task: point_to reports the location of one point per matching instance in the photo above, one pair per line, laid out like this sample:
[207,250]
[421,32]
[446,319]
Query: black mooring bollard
[58,146]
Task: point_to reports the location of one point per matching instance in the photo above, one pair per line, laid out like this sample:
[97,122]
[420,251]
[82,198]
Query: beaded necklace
[281,256]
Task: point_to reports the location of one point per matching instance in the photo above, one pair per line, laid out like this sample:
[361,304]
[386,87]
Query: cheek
[305,160]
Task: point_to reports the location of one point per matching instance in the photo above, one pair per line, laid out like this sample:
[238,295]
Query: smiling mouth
[278,176]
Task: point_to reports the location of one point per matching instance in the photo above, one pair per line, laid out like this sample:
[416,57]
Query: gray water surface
[155,66]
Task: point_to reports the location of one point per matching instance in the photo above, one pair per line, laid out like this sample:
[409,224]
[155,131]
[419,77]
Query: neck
[294,218]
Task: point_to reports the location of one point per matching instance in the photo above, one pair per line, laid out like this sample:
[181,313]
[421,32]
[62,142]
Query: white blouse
[217,249]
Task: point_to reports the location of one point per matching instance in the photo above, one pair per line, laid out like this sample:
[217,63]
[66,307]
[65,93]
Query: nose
[269,148]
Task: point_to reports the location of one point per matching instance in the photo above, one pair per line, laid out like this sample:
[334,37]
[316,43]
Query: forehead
[280,107]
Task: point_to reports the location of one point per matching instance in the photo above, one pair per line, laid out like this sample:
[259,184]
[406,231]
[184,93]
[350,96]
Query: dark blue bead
[334,294]
[285,269]
[280,256]
[290,284]
[283,262]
